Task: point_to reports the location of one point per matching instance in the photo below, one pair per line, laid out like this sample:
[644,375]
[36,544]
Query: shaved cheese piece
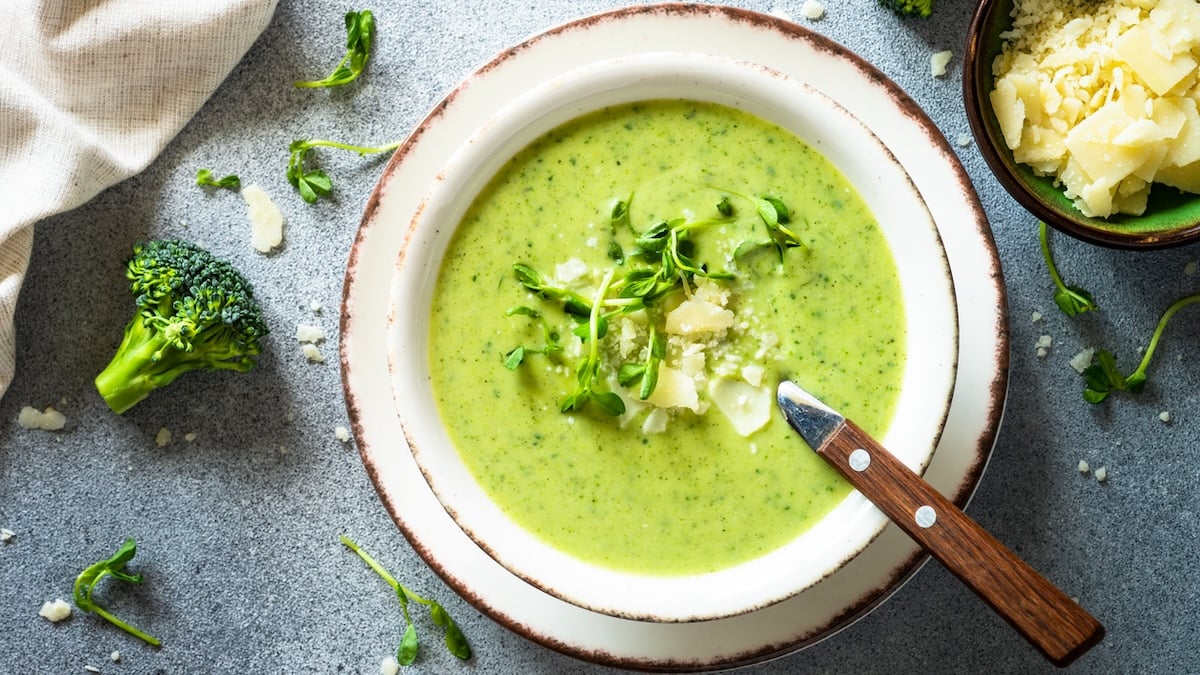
[747,407]
[656,422]
[266,220]
[674,390]
[698,315]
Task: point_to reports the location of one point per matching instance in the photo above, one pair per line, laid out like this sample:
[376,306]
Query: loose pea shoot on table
[1103,376]
[406,654]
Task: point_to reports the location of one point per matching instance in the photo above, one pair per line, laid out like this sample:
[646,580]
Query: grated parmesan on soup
[1103,95]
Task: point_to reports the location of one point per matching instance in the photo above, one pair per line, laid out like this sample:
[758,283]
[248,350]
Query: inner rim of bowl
[931,349]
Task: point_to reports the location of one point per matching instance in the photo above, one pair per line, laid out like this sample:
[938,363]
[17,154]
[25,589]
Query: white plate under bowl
[887,112]
[931,341]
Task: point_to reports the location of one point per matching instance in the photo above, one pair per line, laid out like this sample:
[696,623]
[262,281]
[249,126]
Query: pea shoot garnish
[86,582]
[406,654]
[1103,377]
[360,35]
[1071,300]
[661,264]
[206,178]
[312,184]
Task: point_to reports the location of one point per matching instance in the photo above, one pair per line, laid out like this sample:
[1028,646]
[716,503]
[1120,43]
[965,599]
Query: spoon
[1055,624]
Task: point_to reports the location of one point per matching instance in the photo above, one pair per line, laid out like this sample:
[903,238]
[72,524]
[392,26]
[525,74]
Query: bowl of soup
[595,303]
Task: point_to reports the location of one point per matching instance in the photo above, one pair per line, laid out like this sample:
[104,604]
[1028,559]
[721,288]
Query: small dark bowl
[1172,217]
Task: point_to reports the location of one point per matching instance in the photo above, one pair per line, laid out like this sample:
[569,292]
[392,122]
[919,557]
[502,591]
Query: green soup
[697,496]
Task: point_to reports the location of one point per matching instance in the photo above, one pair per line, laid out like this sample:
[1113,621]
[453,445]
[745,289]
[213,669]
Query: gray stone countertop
[238,527]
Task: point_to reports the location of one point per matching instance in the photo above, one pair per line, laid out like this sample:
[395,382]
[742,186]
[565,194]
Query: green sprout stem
[1071,300]
[1158,331]
[314,184]
[89,578]
[360,35]
[455,641]
[1102,376]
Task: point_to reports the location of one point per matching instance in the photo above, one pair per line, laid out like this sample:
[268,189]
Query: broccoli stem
[127,379]
[146,360]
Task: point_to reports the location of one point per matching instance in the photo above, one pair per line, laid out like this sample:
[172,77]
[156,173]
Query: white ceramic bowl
[930,312]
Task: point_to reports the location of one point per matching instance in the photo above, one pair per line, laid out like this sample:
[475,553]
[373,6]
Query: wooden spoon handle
[1054,623]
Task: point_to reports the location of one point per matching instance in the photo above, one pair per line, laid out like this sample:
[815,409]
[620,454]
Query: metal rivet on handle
[926,516]
[860,459]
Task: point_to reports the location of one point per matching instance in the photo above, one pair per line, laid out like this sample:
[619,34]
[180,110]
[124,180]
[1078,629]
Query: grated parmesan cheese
[1104,96]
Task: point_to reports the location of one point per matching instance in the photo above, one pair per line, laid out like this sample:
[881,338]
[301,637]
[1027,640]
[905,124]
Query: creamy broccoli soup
[615,311]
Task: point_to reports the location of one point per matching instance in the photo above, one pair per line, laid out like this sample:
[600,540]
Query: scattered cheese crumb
[189,436]
[389,666]
[115,657]
[307,333]
[1164,416]
[781,13]
[1083,359]
[655,422]
[753,375]
[91,669]
[55,611]
[48,420]
[266,220]
[312,353]
[1035,317]
[342,434]
[315,307]
[938,62]
[1190,268]
[571,270]
[162,437]
[812,10]
[1083,467]
[1101,475]
[964,140]
[6,535]
[1043,345]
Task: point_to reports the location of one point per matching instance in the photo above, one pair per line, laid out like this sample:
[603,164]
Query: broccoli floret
[194,312]
[918,8]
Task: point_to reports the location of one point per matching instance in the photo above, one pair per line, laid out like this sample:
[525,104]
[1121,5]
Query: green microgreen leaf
[205,178]
[1103,377]
[513,359]
[725,207]
[629,373]
[85,585]
[360,35]
[406,653]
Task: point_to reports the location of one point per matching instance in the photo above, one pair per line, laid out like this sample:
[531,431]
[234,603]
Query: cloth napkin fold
[91,91]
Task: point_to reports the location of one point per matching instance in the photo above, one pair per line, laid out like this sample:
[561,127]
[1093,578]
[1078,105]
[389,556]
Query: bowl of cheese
[1088,113]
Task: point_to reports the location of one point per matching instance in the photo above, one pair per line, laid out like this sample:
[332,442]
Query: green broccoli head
[193,312]
[918,8]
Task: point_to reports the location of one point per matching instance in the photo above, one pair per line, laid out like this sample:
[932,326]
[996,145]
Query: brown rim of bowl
[975,77]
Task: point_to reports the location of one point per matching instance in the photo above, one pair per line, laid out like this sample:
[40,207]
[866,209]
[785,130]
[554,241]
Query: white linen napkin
[90,93]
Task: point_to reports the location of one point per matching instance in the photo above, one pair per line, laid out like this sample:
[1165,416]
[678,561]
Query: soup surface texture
[664,490]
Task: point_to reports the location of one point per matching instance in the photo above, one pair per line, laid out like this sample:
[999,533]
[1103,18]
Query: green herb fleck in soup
[615,311]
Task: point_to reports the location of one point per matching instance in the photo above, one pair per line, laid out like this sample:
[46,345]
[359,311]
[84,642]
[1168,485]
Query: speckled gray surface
[237,529]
